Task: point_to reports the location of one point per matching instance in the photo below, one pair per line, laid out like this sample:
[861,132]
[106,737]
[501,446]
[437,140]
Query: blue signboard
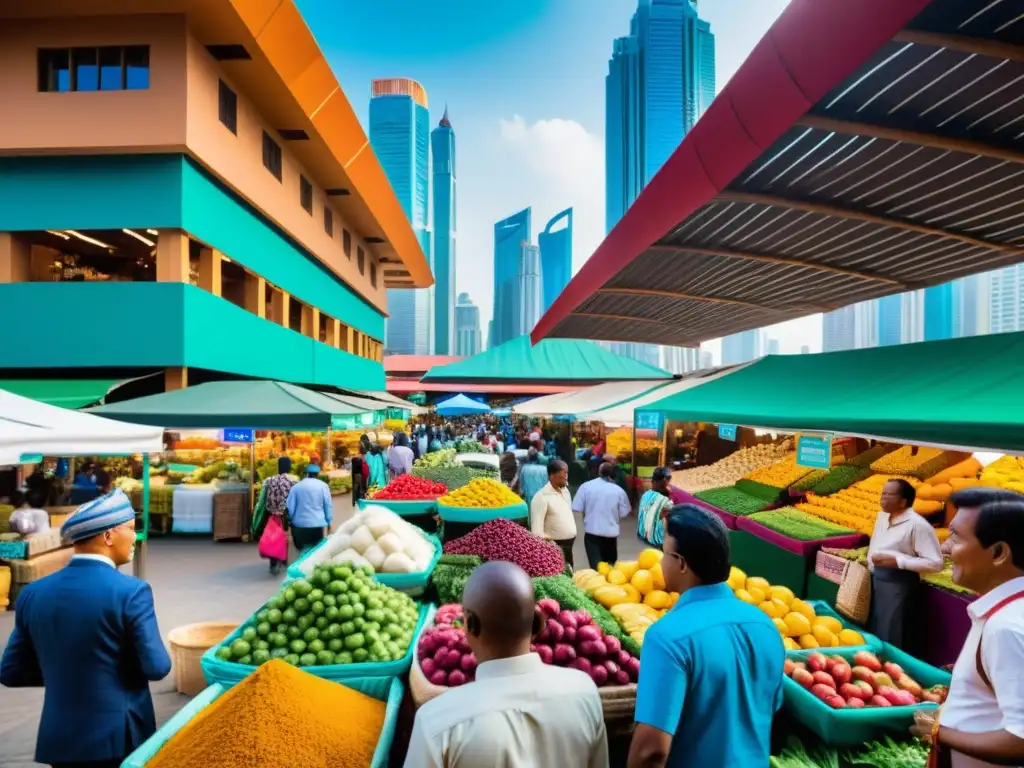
[727,431]
[650,420]
[238,435]
[814,450]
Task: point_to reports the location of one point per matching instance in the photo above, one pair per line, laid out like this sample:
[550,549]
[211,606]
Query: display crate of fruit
[481,500]
[849,697]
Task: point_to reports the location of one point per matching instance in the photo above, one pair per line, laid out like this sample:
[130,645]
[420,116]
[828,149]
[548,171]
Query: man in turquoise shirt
[711,668]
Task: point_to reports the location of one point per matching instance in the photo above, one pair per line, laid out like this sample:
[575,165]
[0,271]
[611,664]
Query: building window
[228,107]
[373,274]
[346,242]
[306,194]
[271,156]
[361,260]
[110,68]
[328,221]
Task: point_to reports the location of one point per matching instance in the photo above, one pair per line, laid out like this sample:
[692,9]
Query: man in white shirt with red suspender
[982,722]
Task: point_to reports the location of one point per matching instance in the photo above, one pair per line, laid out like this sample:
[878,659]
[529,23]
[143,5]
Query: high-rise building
[399,135]
[511,238]
[838,329]
[938,312]
[973,305]
[644,353]
[741,347]
[661,77]
[442,150]
[528,292]
[707,360]
[804,349]
[467,327]
[1006,299]
[680,359]
[771,347]
[890,320]
[555,257]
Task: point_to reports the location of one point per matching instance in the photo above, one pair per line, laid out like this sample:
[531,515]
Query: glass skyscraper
[511,238]
[938,312]
[555,257]
[838,329]
[741,347]
[1006,299]
[467,327]
[442,146]
[528,294]
[399,135]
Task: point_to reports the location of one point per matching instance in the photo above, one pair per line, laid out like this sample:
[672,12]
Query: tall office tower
[680,359]
[865,324]
[938,312]
[972,293]
[399,135]
[771,347]
[528,293]
[890,320]
[912,317]
[511,237]
[555,257]
[1006,299]
[467,327]
[661,77]
[805,350]
[741,347]
[707,360]
[838,329]
[442,150]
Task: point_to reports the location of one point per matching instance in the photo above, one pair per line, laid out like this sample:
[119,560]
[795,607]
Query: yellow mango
[851,637]
[615,576]
[757,593]
[649,558]
[746,597]
[658,576]
[781,626]
[610,595]
[790,644]
[808,641]
[603,568]
[798,624]
[594,582]
[759,583]
[785,594]
[628,568]
[583,575]
[830,623]
[805,609]
[822,635]
[633,593]
[737,579]
[658,599]
[643,581]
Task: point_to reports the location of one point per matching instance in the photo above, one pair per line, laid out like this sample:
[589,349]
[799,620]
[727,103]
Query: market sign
[238,435]
[814,450]
[727,431]
[650,420]
[343,422]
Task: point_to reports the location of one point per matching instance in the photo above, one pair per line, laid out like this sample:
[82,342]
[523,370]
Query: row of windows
[106,68]
[272,161]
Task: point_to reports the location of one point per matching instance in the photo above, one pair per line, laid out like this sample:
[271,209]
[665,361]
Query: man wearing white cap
[310,509]
[88,634]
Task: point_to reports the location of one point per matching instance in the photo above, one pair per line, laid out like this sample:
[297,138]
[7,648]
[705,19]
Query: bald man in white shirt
[519,711]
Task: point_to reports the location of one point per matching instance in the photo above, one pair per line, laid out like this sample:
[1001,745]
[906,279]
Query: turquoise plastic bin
[366,676]
[402,508]
[821,608]
[482,514]
[852,727]
[391,693]
[413,583]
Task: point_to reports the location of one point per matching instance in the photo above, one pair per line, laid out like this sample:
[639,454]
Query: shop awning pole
[139,563]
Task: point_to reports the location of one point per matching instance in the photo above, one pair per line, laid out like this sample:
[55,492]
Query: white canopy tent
[582,402]
[30,427]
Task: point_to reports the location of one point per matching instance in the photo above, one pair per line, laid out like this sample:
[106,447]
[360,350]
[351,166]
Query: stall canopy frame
[582,403]
[460,405]
[863,149]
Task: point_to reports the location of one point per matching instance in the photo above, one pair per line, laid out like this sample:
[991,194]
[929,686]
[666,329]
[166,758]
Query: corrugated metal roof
[866,147]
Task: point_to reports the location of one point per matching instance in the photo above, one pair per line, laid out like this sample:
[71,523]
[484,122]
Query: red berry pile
[410,488]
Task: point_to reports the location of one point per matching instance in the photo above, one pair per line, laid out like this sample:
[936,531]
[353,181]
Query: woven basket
[854,597]
[188,644]
[421,689]
[618,702]
[830,567]
[230,515]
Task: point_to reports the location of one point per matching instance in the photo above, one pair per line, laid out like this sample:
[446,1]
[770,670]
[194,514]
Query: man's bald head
[500,596]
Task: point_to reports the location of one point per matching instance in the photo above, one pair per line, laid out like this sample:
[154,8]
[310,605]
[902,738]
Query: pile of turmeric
[279,717]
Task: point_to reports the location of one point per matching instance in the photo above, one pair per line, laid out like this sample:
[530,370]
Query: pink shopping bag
[274,541]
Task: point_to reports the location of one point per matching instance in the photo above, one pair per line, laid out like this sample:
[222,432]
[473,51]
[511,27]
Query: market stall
[460,405]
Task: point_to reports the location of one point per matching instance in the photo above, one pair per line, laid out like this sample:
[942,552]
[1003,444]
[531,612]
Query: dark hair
[532,455]
[102,478]
[606,470]
[555,466]
[906,491]
[284,465]
[702,540]
[661,473]
[1000,517]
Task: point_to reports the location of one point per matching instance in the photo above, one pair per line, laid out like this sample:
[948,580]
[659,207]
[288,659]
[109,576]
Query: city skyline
[443,218]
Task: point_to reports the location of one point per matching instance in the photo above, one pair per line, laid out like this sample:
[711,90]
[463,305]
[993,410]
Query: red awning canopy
[865,148]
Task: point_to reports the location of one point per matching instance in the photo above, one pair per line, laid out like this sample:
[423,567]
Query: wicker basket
[188,644]
[421,689]
[619,702]
[854,597]
[830,567]
[230,515]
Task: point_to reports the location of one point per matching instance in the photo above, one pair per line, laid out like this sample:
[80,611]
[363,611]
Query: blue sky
[524,85]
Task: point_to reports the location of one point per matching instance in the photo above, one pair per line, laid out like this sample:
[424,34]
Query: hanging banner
[727,431]
[814,450]
[238,435]
[652,420]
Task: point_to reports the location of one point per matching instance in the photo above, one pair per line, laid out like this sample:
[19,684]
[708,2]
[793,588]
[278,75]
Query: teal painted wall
[180,325]
[170,191]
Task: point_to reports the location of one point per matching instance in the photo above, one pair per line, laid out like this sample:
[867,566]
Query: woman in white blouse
[903,546]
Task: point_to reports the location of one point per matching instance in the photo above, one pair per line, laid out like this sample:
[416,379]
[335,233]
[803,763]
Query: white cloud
[549,164]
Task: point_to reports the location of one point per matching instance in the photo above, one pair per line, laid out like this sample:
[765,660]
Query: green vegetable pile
[572,598]
[858,555]
[339,616]
[839,478]
[808,480]
[798,525]
[758,490]
[454,477]
[450,576]
[732,500]
[463,445]
[871,455]
[443,458]
[886,754]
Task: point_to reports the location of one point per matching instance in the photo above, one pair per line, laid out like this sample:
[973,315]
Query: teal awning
[67,393]
[568,361]
[958,393]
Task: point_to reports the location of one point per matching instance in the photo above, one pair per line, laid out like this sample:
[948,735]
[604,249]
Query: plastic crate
[411,583]
[366,676]
[392,694]
[482,514]
[401,508]
[851,727]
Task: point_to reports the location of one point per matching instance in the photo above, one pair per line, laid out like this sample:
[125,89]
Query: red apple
[849,690]
[865,686]
[907,683]
[822,691]
[904,699]
[891,695]
[836,702]
[863,673]
[867,659]
[825,679]
[803,677]
[879,701]
[841,672]
[800,664]
[931,696]
[881,679]
[788,667]
[854,703]
[893,670]
[816,662]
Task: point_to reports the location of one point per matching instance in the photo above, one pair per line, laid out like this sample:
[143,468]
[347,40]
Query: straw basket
[854,597]
[188,644]
[619,704]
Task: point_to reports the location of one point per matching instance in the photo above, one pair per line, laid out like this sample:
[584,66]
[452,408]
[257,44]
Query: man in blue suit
[88,634]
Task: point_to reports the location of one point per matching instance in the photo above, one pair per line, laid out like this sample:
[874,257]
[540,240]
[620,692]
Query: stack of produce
[915,461]
[780,475]
[855,507]
[837,479]
[462,445]
[874,754]
[871,455]
[1007,472]
[795,619]
[758,490]
[279,715]
[482,493]
[442,458]
[809,480]
[733,467]
[733,500]
[619,443]
[455,476]
[340,615]
[502,539]
[443,653]
[451,574]
[395,425]
[376,539]
[410,488]
[869,682]
[799,525]
[562,589]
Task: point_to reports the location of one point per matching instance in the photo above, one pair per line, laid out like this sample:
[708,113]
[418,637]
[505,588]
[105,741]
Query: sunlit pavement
[194,579]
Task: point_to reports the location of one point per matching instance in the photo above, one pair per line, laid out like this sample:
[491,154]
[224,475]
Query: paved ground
[193,579]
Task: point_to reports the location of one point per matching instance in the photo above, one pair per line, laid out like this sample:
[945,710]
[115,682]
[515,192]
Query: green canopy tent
[959,393]
[567,361]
